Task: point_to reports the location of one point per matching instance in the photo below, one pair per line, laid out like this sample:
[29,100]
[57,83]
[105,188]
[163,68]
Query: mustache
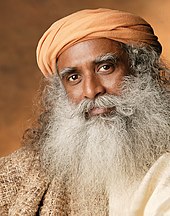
[121,105]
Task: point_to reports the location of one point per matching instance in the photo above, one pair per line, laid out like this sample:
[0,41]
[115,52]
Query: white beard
[106,153]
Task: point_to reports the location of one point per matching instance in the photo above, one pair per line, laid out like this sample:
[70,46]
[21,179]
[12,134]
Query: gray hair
[144,62]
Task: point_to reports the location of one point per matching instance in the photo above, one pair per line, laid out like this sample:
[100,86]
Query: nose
[93,87]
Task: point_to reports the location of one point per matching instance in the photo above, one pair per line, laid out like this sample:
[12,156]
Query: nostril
[100,92]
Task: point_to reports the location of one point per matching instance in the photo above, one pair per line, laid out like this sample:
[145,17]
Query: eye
[106,68]
[73,78]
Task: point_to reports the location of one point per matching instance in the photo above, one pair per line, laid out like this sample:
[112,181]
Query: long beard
[107,152]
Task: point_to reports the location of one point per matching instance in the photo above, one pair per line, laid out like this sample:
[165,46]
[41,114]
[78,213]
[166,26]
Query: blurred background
[22,23]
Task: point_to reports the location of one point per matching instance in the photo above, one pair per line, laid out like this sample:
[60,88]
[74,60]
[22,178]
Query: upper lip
[100,110]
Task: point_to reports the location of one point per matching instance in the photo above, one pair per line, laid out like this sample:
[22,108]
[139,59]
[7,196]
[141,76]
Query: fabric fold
[91,24]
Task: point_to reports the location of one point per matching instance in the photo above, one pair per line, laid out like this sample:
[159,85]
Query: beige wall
[22,22]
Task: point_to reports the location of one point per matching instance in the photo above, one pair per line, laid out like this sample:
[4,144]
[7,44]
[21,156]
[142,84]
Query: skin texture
[84,78]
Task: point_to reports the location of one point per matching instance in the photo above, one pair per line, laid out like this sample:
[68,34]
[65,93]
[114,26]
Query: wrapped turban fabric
[90,24]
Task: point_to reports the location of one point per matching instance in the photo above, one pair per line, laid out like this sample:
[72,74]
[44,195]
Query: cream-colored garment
[150,197]
[153,195]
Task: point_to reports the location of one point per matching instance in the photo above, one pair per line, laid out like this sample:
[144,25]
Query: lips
[100,110]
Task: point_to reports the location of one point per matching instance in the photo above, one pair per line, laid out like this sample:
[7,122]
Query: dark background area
[22,23]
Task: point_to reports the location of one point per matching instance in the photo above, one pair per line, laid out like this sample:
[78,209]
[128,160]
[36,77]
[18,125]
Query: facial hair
[95,155]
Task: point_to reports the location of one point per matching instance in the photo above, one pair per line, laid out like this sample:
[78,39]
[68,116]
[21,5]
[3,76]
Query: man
[101,144]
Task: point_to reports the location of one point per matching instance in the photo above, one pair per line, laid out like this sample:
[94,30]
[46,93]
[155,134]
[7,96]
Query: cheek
[113,83]
[74,93]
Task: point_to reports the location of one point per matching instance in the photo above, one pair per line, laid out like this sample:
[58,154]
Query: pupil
[106,67]
[74,77]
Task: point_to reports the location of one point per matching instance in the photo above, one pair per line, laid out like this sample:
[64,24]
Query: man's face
[101,154]
[92,68]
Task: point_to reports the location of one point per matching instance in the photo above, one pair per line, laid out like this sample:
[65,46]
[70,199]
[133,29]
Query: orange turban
[90,24]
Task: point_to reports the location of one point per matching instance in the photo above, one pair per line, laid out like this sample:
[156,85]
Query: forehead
[87,51]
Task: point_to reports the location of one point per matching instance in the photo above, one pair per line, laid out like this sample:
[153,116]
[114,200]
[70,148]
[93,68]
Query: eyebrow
[112,57]
[66,71]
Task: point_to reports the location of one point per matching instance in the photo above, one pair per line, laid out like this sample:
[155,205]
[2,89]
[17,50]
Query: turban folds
[90,24]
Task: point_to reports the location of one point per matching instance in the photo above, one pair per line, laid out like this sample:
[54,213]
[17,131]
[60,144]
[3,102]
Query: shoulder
[21,178]
[153,195]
